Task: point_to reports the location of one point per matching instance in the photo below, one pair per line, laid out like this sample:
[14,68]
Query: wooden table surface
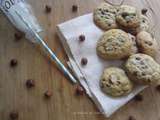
[64,104]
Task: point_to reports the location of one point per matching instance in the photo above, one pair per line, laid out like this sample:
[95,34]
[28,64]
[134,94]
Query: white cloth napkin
[89,75]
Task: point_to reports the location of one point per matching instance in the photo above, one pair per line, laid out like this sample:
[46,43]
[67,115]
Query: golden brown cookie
[104,16]
[147,44]
[114,44]
[128,16]
[115,82]
[143,69]
[144,26]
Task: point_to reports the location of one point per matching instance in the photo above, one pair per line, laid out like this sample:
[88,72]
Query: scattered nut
[48,94]
[13,63]
[82,38]
[79,90]
[144,11]
[138,97]
[30,83]
[74,8]
[48,9]
[131,118]
[14,115]
[84,61]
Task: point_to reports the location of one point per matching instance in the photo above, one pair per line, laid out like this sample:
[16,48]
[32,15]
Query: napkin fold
[89,75]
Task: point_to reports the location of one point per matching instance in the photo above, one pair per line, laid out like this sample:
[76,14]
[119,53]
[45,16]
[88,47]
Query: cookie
[134,44]
[144,26]
[115,82]
[128,16]
[114,44]
[143,69]
[104,16]
[147,44]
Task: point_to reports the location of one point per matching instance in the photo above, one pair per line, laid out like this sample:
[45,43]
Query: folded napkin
[89,75]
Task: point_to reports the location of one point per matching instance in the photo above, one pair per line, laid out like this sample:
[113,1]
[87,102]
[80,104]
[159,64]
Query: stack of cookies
[126,37]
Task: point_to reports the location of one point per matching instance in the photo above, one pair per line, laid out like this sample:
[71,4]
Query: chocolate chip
[124,14]
[18,36]
[145,67]
[131,118]
[48,9]
[106,10]
[48,94]
[158,88]
[143,21]
[135,73]
[144,11]
[30,83]
[138,97]
[13,63]
[119,82]
[74,8]
[82,38]
[128,21]
[138,58]
[102,12]
[149,80]
[84,61]
[109,24]
[107,85]
[143,74]
[79,90]
[133,38]
[14,115]
[149,43]
[110,81]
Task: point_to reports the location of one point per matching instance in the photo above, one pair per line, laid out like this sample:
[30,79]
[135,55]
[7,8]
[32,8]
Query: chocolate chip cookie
[147,44]
[114,44]
[115,82]
[104,16]
[128,16]
[144,26]
[143,69]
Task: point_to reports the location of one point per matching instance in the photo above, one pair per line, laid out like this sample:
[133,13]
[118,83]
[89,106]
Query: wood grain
[63,105]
